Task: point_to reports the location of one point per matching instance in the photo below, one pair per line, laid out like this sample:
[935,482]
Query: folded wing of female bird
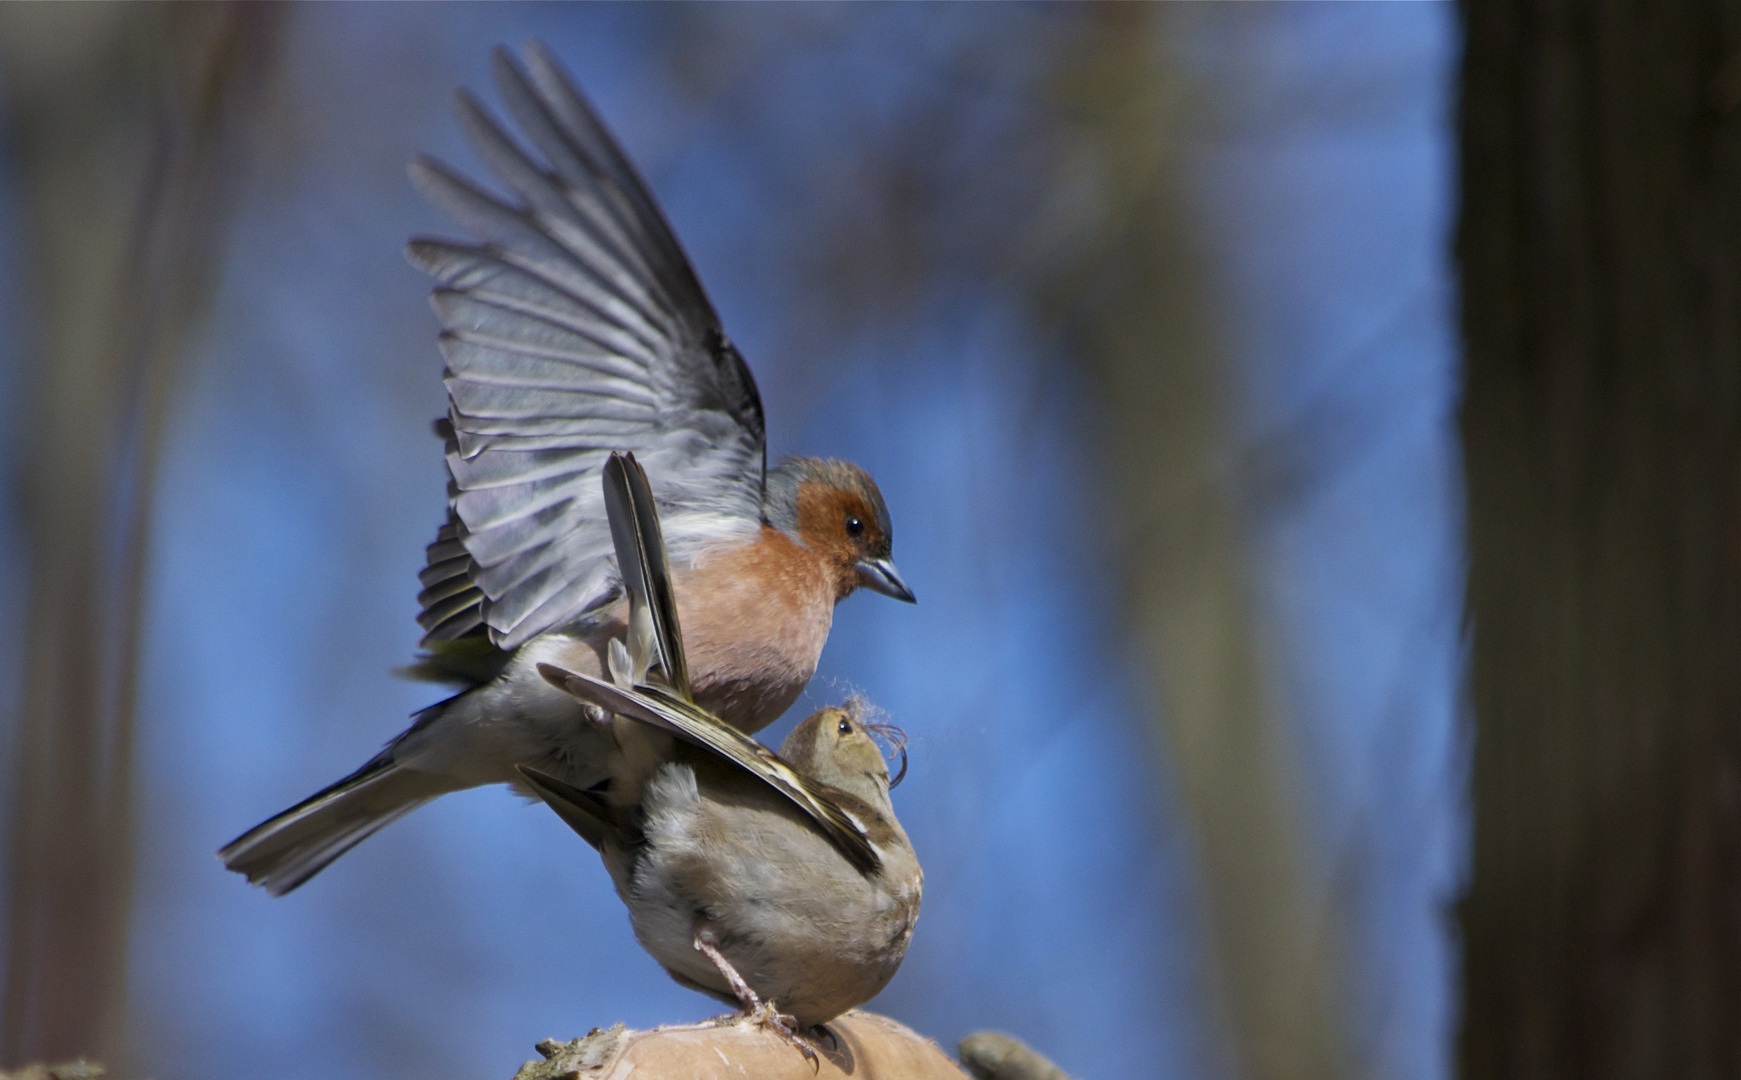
[572,326]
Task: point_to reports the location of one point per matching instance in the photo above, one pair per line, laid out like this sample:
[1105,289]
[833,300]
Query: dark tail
[287,850]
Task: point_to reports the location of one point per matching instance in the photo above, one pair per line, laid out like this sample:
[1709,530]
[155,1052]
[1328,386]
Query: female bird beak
[879,575]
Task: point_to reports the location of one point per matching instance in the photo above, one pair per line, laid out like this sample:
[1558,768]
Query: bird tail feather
[285,851]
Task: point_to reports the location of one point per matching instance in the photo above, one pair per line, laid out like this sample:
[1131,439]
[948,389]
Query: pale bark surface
[865,1046]
[1600,248]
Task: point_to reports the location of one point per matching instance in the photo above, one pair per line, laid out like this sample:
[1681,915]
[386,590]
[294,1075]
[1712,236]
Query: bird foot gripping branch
[764,1016]
[760,1013]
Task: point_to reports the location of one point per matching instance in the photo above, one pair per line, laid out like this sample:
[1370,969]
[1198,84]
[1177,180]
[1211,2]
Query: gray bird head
[834,509]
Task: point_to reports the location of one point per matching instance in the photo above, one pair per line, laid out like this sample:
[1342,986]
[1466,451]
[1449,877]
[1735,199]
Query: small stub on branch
[989,1055]
[576,1058]
[856,1045]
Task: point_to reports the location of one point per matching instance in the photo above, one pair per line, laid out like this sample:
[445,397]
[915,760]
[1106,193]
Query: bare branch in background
[1142,318]
[125,123]
[1073,195]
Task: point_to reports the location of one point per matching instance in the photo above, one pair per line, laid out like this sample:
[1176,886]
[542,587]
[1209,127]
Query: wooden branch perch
[864,1045]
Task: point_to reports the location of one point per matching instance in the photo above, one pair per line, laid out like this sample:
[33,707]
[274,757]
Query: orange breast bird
[572,327]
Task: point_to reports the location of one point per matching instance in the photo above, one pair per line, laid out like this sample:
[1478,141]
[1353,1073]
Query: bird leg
[758,1012]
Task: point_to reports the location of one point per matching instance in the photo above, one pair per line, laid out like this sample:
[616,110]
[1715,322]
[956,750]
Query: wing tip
[558,677]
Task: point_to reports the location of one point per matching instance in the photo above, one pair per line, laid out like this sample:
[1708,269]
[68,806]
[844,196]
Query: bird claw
[753,1009]
[784,1028]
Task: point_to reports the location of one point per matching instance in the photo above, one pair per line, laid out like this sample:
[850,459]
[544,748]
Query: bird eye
[845,727]
[854,527]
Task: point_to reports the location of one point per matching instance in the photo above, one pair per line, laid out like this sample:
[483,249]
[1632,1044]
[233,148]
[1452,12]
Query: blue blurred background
[917,223]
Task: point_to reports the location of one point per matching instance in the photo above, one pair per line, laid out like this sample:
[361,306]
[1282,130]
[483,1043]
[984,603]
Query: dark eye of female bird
[845,727]
[854,527]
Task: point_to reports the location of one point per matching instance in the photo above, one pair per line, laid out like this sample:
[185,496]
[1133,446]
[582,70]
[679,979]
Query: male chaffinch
[574,327]
[783,882]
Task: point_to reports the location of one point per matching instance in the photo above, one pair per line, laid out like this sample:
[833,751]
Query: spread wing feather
[450,602]
[572,327]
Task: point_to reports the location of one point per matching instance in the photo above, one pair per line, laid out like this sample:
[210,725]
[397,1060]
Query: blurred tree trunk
[120,121]
[1143,318]
[1600,245]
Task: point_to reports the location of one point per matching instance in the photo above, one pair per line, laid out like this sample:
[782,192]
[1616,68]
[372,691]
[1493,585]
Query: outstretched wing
[573,327]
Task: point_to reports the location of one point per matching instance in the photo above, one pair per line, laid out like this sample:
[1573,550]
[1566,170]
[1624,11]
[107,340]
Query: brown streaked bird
[574,326]
[782,882]
[739,891]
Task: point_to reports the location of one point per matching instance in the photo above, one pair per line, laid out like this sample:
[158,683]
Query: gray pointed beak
[879,575]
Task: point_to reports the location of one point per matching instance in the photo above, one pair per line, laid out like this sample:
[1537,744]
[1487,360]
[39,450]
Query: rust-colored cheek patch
[822,514]
[817,505]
